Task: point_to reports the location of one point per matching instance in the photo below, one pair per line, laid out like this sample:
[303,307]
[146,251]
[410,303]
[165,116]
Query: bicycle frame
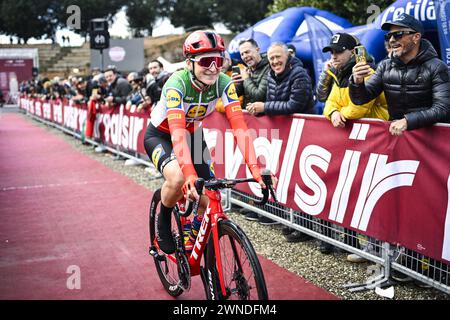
[213,214]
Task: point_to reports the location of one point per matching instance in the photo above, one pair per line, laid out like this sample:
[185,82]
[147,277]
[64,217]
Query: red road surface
[59,208]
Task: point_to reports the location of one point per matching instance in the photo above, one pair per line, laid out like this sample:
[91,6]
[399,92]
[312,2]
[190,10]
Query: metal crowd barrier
[388,257]
[385,255]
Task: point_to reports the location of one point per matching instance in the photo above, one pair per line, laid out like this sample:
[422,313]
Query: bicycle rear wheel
[166,265]
[242,272]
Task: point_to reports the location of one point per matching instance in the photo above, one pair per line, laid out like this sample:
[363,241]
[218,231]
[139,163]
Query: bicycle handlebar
[217,184]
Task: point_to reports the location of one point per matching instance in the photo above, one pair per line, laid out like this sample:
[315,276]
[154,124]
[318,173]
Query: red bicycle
[222,255]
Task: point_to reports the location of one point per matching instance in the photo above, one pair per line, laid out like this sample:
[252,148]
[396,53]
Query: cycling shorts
[158,146]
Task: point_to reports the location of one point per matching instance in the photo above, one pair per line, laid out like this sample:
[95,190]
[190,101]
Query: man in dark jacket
[155,84]
[415,82]
[252,82]
[289,88]
[119,88]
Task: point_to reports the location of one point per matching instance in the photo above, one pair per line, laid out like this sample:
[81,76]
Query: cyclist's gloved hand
[256,173]
[189,187]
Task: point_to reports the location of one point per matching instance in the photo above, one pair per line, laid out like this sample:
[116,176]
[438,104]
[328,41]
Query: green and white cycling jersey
[180,92]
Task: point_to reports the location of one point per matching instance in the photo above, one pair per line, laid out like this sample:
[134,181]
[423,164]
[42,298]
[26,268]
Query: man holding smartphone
[414,79]
[339,107]
[252,81]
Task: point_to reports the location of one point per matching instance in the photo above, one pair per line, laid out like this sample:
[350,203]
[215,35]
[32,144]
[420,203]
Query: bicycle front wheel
[242,272]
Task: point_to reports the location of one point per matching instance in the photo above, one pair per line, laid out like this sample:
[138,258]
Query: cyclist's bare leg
[171,188]
[170,194]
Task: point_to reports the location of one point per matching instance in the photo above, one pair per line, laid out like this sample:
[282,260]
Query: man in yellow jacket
[339,107]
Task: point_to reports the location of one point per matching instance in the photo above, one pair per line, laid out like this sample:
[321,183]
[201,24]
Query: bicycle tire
[168,271]
[238,254]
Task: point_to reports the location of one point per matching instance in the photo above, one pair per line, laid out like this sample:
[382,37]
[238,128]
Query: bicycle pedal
[154,253]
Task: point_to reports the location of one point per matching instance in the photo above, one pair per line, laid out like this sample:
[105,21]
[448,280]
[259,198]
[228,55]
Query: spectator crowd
[410,87]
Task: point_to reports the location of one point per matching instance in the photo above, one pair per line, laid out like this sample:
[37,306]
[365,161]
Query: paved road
[62,211]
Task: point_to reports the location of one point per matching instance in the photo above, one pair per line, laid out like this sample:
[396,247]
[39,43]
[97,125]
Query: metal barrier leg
[380,274]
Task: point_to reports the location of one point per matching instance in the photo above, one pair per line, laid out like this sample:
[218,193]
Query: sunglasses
[206,62]
[397,34]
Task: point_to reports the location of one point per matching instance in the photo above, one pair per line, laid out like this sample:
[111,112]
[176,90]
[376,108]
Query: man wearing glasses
[414,80]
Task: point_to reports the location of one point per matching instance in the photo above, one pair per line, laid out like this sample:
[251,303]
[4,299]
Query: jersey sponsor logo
[196,111]
[212,172]
[157,153]
[173,99]
[236,108]
[231,93]
[173,116]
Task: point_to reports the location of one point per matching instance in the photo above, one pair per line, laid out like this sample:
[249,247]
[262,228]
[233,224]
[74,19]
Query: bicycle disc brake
[184,271]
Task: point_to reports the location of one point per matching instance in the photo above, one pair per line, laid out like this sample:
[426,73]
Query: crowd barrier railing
[426,261]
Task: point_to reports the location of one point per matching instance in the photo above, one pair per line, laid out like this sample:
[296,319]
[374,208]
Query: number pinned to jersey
[157,153]
[173,99]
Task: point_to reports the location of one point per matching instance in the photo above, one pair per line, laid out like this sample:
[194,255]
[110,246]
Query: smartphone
[360,54]
[94,92]
[236,69]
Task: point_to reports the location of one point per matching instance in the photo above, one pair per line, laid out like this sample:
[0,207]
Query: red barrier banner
[113,126]
[395,189]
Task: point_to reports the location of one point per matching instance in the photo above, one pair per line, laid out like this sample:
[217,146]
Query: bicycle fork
[208,274]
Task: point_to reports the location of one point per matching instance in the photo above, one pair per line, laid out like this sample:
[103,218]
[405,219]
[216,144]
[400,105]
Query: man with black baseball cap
[340,42]
[414,80]
[406,21]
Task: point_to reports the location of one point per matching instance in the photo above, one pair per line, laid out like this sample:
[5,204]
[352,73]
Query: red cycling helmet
[202,42]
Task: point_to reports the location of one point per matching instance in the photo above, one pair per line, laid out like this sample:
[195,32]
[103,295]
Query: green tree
[142,15]
[353,10]
[24,20]
[189,13]
[238,15]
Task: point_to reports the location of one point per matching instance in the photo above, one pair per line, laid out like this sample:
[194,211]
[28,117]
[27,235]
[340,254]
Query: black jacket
[290,92]
[418,91]
[120,89]
[254,87]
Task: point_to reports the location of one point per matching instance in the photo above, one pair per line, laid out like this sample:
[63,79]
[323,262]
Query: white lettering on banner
[359,131]
[119,133]
[74,117]
[98,121]
[115,128]
[380,177]
[138,126]
[125,136]
[38,110]
[107,123]
[312,155]
[447,51]
[421,10]
[347,174]
[32,107]
[289,159]
[82,116]
[47,107]
[58,113]
[270,151]
[446,245]
[201,234]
